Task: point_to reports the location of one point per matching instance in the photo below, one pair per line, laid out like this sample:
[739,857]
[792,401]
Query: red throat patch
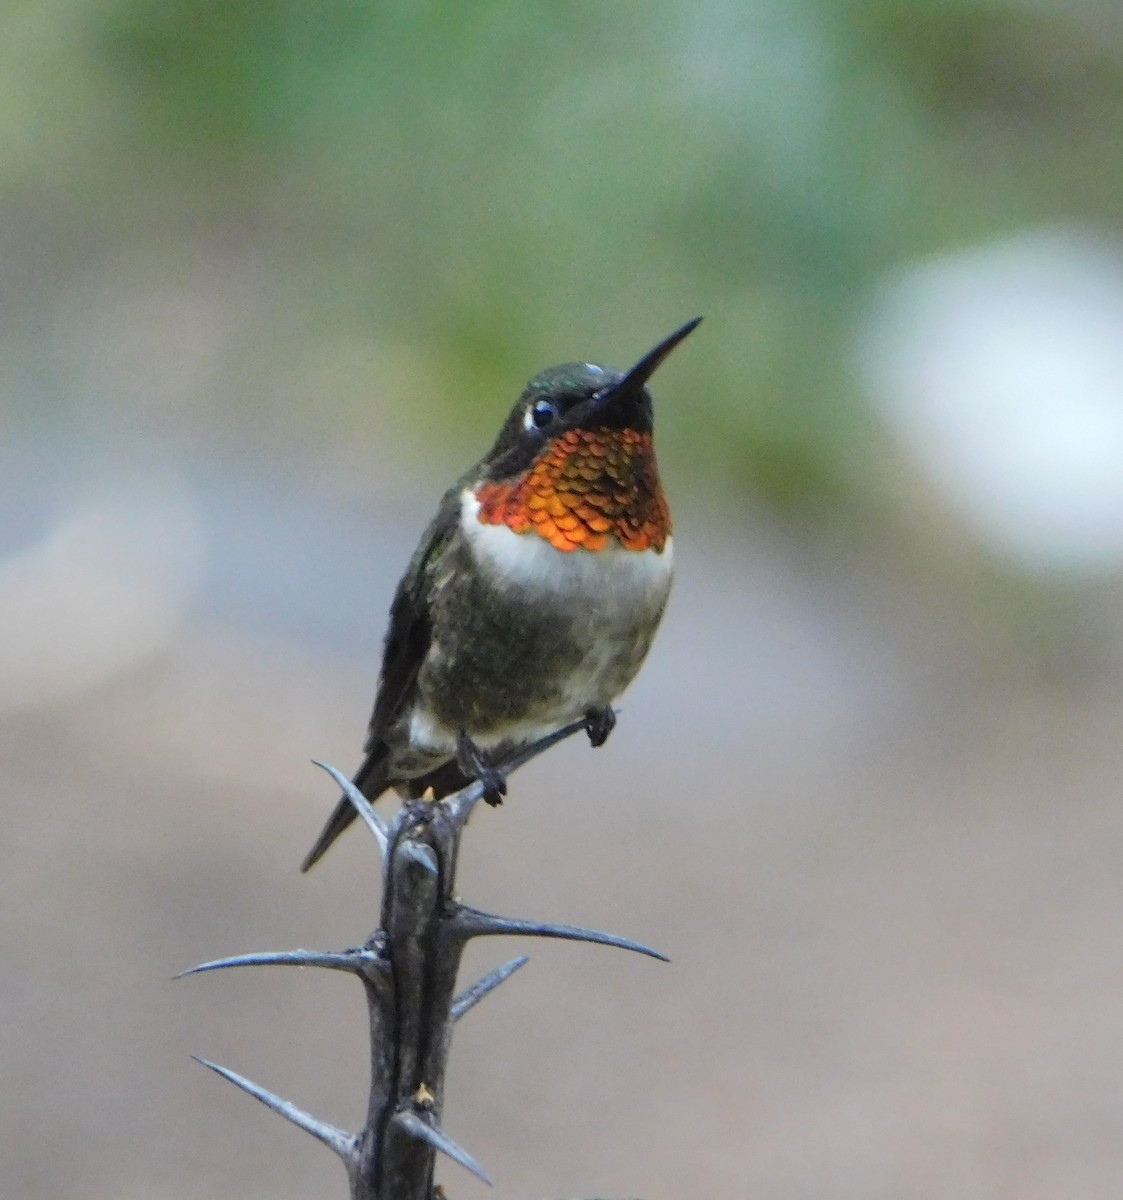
[587,486]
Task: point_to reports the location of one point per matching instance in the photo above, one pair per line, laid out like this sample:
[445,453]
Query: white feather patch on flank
[429,734]
[624,578]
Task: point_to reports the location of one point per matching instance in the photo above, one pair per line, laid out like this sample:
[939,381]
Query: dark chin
[627,412]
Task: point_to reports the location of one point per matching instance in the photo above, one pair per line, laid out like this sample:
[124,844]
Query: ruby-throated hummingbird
[534,594]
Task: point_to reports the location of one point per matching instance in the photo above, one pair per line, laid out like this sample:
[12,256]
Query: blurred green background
[482,187]
[271,275]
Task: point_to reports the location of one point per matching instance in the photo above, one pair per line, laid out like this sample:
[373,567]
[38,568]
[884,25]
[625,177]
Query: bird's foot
[472,761]
[599,723]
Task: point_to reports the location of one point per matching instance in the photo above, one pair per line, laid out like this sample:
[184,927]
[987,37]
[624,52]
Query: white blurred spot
[1001,368]
[104,590]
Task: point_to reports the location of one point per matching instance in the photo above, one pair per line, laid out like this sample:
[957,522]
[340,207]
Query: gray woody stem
[408,968]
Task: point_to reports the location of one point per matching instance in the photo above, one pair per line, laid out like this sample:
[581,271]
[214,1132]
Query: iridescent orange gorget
[587,486]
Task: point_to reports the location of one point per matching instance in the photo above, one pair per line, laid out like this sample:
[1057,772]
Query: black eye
[540,414]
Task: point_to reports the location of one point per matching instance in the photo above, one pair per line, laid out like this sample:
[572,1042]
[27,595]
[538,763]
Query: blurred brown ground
[889,885]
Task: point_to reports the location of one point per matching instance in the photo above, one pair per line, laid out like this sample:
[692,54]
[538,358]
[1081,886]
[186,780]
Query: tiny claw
[461,803]
[599,723]
[474,762]
[495,787]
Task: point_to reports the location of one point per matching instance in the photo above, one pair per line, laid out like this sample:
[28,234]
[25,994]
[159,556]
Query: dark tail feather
[371,781]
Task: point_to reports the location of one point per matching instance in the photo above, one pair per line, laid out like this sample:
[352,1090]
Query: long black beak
[635,379]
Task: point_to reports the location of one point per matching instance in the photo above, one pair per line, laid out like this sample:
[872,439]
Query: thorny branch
[408,968]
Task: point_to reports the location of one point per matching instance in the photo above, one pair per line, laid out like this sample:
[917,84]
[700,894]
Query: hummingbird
[534,594]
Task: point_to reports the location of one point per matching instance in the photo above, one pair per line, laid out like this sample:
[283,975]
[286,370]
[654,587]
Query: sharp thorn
[418,854]
[355,961]
[375,823]
[470,922]
[542,745]
[470,997]
[335,1139]
[417,1127]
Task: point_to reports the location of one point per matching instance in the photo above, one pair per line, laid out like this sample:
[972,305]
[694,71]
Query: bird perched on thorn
[534,594]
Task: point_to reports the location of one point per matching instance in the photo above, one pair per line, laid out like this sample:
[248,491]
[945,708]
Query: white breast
[625,579]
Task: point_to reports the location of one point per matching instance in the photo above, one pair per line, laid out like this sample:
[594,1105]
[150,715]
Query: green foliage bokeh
[499,185]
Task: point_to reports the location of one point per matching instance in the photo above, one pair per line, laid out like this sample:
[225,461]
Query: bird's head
[575,462]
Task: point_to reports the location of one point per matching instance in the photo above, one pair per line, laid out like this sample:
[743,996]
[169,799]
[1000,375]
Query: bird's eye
[540,414]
